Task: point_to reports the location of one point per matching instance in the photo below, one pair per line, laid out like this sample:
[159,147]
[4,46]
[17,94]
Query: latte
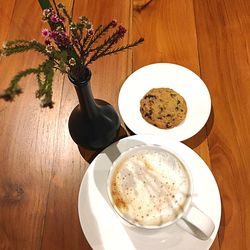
[149,187]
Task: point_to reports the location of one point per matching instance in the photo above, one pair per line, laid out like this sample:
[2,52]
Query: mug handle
[197,223]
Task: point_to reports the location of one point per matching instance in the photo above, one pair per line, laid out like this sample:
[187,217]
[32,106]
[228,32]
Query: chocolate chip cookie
[163,108]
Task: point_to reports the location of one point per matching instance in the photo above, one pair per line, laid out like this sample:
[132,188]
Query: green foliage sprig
[69,47]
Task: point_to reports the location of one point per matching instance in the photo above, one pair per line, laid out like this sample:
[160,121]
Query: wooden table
[40,166]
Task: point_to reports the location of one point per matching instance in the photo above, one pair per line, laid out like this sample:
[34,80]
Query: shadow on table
[89,154]
[201,136]
[124,131]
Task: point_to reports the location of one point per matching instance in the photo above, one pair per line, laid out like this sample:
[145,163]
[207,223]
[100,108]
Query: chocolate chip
[168,125]
[150,97]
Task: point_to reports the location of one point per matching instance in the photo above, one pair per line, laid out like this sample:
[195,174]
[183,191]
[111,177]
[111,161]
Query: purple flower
[60,38]
[121,30]
[113,23]
[53,34]
[54,18]
[45,32]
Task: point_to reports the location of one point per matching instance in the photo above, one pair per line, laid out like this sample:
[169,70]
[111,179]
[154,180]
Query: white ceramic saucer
[104,230]
[166,75]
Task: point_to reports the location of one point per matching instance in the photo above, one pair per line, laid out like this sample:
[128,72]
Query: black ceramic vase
[93,124]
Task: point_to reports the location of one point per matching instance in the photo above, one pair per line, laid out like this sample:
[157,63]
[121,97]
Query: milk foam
[150,187]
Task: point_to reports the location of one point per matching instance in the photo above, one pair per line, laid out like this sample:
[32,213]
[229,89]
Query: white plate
[104,230]
[167,75]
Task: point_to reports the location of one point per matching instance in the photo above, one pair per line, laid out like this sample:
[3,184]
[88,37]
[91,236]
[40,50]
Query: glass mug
[149,187]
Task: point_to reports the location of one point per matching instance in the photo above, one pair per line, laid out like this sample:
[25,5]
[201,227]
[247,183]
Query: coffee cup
[150,187]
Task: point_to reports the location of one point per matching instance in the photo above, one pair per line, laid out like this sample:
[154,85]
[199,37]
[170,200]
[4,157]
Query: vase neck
[86,100]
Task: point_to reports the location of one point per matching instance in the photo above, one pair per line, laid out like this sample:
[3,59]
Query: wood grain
[27,141]
[40,166]
[24,167]
[6,12]
[224,40]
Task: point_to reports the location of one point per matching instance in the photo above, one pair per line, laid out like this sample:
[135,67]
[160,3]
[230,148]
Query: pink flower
[54,18]
[45,32]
